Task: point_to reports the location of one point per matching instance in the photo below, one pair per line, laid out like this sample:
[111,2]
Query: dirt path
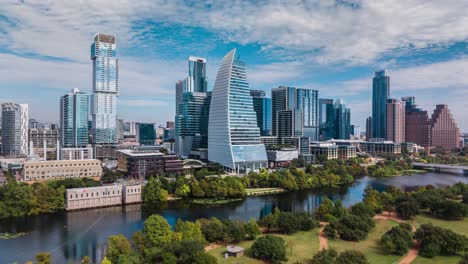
[413,252]
[212,246]
[322,239]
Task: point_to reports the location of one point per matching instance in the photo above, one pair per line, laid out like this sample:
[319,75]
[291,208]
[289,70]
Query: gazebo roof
[234,249]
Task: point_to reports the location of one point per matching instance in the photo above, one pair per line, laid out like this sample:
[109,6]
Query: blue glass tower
[74,119]
[380,94]
[105,89]
[342,120]
[262,106]
[233,134]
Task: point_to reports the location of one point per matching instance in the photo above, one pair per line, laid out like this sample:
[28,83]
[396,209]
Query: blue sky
[330,45]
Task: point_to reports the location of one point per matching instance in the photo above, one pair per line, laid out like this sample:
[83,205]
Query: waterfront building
[326,150]
[416,123]
[297,101]
[380,94]
[37,171]
[131,193]
[74,119]
[141,164]
[383,147]
[346,152]
[395,121]
[262,106]
[105,89]
[14,129]
[443,129]
[326,119]
[281,157]
[145,133]
[233,134]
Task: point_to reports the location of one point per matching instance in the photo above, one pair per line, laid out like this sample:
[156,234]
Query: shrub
[325,256]
[351,256]
[407,207]
[397,240]
[439,241]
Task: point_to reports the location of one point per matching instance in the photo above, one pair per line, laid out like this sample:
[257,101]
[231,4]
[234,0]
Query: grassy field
[459,227]
[370,247]
[261,191]
[301,246]
[436,260]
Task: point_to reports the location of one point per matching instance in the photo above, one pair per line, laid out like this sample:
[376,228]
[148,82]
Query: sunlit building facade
[74,119]
[14,129]
[105,89]
[233,134]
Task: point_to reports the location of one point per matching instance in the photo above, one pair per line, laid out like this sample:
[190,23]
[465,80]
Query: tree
[187,251]
[157,231]
[288,223]
[213,229]
[270,248]
[407,206]
[189,230]
[270,221]
[85,260]
[436,241]
[252,229]
[182,190]
[169,258]
[116,246]
[362,209]
[351,256]
[44,258]
[153,192]
[397,240]
[105,261]
[449,209]
[325,256]
[204,258]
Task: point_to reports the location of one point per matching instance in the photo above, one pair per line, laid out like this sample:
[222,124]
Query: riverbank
[263,191]
[11,235]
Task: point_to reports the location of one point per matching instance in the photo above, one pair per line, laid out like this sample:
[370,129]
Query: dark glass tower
[326,119]
[262,106]
[380,94]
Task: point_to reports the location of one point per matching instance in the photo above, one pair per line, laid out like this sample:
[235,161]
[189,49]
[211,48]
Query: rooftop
[234,249]
[136,153]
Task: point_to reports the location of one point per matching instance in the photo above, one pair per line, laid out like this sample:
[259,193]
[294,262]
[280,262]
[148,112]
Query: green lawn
[370,247]
[261,191]
[303,245]
[436,260]
[460,227]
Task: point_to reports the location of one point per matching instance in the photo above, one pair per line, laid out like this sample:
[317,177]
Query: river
[71,235]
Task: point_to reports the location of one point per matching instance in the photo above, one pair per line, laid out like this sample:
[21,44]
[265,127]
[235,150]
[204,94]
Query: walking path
[322,238]
[413,252]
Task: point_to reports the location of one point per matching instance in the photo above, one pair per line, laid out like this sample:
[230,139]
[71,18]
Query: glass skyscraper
[233,134]
[262,106]
[14,129]
[342,120]
[145,133]
[335,120]
[105,89]
[74,119]
[380,94]
[295,100]
[326,119]
[192,109]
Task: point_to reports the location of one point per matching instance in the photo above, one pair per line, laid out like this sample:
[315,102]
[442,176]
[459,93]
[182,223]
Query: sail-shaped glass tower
[233,134]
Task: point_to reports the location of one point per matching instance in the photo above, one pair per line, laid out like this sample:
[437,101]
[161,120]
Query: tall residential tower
[380,94]
[14,129]
[74,119]
[233,134]
[262,106]
[105,89]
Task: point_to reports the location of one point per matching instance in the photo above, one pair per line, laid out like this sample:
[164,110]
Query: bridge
[442,167]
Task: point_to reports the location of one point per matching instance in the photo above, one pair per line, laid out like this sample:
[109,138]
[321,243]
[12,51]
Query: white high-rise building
[14,129]
[105,89]
[233,134]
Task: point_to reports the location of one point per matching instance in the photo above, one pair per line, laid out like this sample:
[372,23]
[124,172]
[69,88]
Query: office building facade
[146,133]
[296,100]
[105,89]
[233,134]
[74,119]
[443,129]
[197,75]
[380,94]
[326,119]
[262,106]
[14,129]
[416,123]
[395,121]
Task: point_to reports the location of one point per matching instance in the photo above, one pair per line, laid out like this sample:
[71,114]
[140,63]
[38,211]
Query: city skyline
[421,63]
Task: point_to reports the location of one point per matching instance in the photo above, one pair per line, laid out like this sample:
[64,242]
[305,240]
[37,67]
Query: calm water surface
[71,235]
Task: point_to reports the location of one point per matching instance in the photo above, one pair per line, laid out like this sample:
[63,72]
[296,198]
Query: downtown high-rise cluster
[402,121]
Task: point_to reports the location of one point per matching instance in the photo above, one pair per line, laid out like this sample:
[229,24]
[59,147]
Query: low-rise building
[132,193]
[281,157]
[61,169]
[91,197]
[326,150]
[346,152]
[383,147]
[102,196]
[76,153]
[140,164]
